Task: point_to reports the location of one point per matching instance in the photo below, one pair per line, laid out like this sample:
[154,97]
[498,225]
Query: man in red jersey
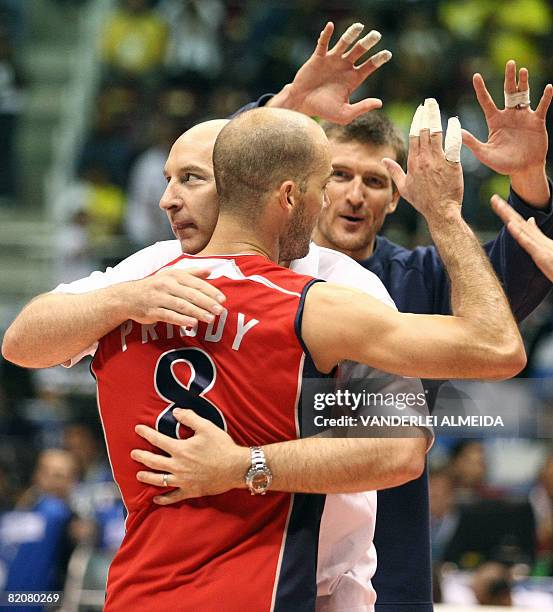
[271,169]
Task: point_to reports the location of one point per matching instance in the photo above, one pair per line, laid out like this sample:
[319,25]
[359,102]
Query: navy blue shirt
[33,547]
[418,283]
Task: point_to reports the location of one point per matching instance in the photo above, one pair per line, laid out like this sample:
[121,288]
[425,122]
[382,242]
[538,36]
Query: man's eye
[190,177]
[340,175]
[374,181]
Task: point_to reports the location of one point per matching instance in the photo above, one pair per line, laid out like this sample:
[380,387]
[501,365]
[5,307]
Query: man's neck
[230,237]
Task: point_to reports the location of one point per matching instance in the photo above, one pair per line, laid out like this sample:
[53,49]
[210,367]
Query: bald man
[184,225]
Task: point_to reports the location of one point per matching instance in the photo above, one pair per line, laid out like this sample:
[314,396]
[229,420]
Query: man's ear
[287,195]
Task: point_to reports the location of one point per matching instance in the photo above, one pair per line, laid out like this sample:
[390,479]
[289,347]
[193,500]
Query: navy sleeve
[525,285]
[250,105]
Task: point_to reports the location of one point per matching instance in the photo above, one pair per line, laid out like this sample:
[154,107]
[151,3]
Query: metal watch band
[258,458]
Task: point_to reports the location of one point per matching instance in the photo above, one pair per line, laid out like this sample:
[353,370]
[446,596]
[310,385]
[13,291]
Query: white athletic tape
[416,123]
[351,34]
[370,40]
[431,119]
[520,98]
[381,58]
[453,140]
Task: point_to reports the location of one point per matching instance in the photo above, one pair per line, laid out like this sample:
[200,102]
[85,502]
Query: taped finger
[431,119]
[369,40]
[362,46]
[348,37]
[380,58]
[453,140]
[416,123]
[519,99]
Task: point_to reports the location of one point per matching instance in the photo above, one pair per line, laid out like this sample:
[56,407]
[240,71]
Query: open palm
[323,85]
[517,137]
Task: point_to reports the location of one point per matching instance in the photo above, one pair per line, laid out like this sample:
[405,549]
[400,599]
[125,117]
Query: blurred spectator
[105,205]
[468,470]
[184,105]
[75,253]
[492,585]
[468,467]
[471,522]
[46,413]
[135,39]
[11,105]
[85,443]
[55,476]
[34,542]
[96,208]
[112,142]
[145,222]
[95,499]
[195,42]
[443,514]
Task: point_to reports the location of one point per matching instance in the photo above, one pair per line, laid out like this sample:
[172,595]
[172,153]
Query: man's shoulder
[151,258]
[161,250]
[388,253]
[164,246]
[136,266]
[336,267]
[329,264]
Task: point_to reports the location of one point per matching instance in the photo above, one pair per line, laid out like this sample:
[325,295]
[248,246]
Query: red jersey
[232,552]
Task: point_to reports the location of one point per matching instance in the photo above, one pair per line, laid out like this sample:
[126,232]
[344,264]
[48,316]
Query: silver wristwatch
[259,476]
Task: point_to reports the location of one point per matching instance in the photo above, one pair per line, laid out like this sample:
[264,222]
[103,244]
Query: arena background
[92,93]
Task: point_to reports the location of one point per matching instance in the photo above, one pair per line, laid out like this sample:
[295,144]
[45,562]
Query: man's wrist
[118,299]
[448,213]
[532,186]
[239,463]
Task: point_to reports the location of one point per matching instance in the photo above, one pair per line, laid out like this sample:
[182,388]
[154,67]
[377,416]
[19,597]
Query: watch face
[260,480]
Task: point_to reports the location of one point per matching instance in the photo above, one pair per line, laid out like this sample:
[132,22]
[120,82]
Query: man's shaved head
[205,132]
[190,198]
[259,150]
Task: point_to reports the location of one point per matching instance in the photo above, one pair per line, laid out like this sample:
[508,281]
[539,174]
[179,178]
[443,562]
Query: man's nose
[169,198]
[356,192]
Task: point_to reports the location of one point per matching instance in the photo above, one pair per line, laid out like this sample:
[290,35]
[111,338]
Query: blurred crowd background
[92,94]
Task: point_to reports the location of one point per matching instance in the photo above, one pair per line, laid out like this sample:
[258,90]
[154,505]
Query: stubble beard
[295,245]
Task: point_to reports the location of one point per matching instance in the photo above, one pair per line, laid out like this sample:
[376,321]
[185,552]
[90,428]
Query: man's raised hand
[323,85]
[517,136]
[434,180]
